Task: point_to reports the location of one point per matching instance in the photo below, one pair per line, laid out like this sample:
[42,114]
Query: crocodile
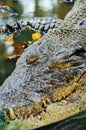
[40,24]
[49,81]
[6,11]
[68,1]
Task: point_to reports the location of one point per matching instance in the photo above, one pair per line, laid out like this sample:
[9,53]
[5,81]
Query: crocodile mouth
[47,111]
[46,88]
[54,92]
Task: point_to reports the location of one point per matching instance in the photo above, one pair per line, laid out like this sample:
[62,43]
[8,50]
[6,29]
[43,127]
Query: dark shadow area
[77,122]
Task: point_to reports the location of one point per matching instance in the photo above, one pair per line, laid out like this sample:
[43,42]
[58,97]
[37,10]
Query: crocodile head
[45,77]
[49,82]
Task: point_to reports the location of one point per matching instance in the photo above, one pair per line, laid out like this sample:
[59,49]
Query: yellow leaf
[36,36]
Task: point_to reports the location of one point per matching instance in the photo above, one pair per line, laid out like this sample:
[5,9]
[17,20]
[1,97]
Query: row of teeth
[12,113]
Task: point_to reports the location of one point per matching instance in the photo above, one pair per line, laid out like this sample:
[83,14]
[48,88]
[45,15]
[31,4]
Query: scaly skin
[34,24]
[50,78]
[6,11]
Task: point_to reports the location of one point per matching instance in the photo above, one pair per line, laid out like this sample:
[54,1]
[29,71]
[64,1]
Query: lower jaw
[54,112]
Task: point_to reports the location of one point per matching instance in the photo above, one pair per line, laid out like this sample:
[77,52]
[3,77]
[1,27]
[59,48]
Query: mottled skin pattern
[50,78]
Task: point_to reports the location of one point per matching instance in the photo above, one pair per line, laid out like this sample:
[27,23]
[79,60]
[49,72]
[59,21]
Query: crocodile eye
[32,59]
[79,51]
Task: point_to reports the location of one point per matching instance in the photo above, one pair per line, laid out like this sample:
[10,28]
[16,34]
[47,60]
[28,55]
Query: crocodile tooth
[44,104]
[17,112]
[48,100]
[39,117]
[11,114]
